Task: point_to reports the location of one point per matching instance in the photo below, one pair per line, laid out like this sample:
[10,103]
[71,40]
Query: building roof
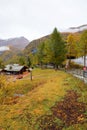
[13,67]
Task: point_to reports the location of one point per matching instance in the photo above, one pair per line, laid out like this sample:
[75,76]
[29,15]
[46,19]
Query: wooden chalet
[14,69]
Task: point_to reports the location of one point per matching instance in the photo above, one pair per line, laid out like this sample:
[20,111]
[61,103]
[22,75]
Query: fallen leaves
[70,111]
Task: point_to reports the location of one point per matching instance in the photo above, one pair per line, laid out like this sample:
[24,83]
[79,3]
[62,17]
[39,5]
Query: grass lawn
[38,97]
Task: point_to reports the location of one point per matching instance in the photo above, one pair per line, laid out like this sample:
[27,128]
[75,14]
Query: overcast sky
[36,18]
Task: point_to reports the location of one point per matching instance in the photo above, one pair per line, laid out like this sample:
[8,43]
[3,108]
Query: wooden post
[30,74]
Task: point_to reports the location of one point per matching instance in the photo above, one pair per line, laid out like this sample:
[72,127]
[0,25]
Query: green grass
[47,87]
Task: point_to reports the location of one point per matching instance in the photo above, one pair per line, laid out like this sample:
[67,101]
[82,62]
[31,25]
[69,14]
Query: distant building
[14,69]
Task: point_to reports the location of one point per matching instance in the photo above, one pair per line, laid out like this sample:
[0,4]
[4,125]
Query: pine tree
[41,53]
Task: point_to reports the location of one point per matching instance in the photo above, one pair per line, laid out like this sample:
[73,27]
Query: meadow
[53,100]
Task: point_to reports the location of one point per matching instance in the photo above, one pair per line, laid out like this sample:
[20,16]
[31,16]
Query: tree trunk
[56,67]
[41,65]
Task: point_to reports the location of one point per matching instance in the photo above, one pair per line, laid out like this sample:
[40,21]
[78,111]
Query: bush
[6,89]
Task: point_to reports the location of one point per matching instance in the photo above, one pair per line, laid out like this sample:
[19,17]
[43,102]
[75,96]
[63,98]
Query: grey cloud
[33,18]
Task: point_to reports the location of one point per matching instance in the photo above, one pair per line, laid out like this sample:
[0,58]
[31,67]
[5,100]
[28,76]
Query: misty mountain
[76,29]
[19,43]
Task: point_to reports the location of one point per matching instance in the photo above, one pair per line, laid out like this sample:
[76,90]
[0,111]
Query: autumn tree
[52,50]
[72,46]
[6,89]
[33,59]
[28,61]
[41,53]
[83,45]
[56,49]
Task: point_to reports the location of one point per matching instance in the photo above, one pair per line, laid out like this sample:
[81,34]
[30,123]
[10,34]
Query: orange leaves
[64,113]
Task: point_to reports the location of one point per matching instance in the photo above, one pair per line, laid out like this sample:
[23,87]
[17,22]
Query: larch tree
[57,49]
[83,45]
[72,47]
[41,53]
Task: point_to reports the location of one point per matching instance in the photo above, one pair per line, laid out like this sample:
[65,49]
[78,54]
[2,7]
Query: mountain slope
[19,43]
